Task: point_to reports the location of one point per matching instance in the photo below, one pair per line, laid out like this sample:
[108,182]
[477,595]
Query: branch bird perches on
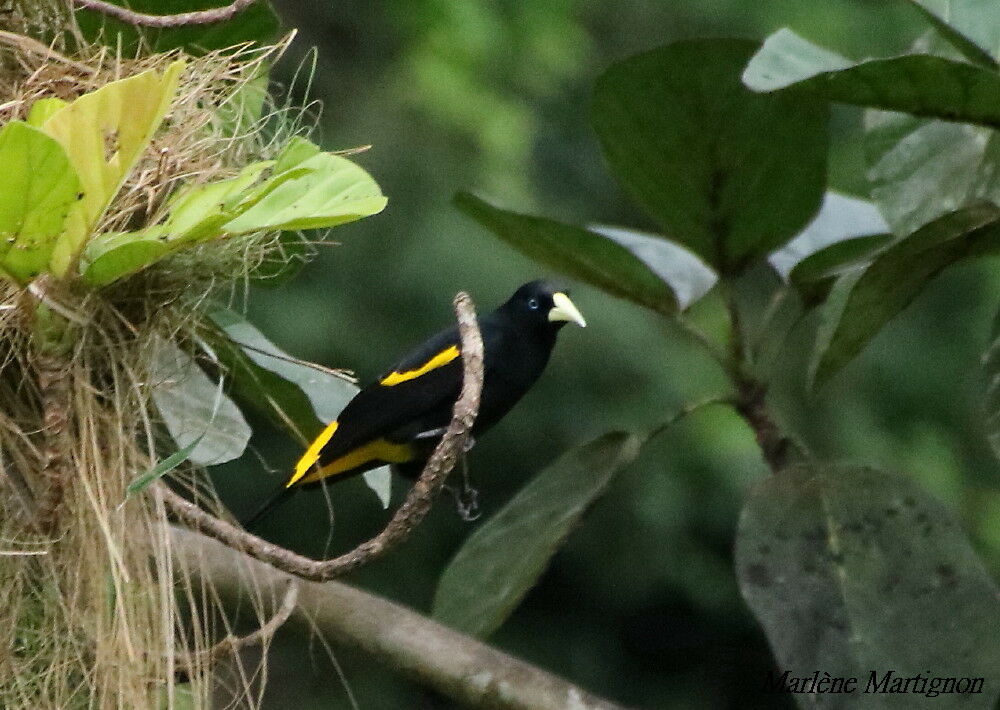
[410,513]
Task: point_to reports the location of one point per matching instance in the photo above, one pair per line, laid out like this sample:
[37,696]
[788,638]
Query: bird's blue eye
[533,304]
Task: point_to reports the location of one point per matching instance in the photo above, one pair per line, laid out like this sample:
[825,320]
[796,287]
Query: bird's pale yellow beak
[563,309]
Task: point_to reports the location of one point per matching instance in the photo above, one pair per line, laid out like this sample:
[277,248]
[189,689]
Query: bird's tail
[270,504]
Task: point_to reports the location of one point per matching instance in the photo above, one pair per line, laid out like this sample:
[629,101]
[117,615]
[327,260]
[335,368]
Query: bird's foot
[466,502]
[469,443]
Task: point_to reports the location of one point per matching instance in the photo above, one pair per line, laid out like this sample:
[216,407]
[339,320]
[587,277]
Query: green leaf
[921,170]
[971,26]
[853,571]
[296,151]
[840,218]
[922,85]
[503,559]
[895,278]
[331,191]
[991,369]
[257,24]
[161,469]
[296,397]
[686,275]
[727,173]
[194,408]
[814,276]
[104,133]
[109,257]
[577,252]
[38,186]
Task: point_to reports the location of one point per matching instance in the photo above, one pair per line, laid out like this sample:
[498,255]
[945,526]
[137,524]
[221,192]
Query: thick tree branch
[409,515]
[455,665]
[184,19]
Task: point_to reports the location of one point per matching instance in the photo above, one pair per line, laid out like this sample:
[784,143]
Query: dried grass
[96,615]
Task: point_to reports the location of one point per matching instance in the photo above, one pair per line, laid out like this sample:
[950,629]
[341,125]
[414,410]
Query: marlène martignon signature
[888,682]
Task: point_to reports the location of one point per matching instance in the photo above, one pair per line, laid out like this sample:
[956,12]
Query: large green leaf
[258,23]
[104,133]
[853,571]
[919,84]
[503,559]
[37,188]
[971,26]
[194,408]
[728,173]
[870,299]
[296,397]
[640,274]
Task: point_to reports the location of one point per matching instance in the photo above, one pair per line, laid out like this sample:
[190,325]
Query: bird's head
[543,305]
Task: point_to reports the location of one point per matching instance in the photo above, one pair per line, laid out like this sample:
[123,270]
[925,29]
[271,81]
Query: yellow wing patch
[378,450]
[311,456]
[439,360]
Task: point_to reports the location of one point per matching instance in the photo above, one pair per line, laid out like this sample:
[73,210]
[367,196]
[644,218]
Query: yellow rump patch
[439,360]
[311,456]
[378,450]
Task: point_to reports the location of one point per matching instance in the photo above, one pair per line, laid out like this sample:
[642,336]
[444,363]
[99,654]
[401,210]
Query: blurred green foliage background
[642,605]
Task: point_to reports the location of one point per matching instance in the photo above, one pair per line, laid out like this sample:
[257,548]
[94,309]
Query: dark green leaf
[895,278]
[162,468]
[685,273]
[922,85]
[971,26]
[853,571]
[840,218]
[257,24]
[580,253]
[815,275]
[503,559]
[728,173]
[991,370]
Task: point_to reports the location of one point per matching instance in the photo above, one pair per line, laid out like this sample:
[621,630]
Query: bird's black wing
[415,393]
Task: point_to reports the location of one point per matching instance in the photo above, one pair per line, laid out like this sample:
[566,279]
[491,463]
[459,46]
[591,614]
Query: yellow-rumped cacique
[400,418]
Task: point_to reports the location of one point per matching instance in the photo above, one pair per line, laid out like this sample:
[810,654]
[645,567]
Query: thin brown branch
[777,448]
[183,19]
[232,645]
[455,665]
[410,513]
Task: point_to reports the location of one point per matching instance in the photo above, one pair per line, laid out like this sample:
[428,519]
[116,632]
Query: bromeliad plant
[723,143]
[136,197]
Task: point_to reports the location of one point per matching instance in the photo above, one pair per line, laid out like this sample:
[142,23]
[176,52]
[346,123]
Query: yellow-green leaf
[332,191]
[104,133]
[38,187]
[42,110]
[109,257]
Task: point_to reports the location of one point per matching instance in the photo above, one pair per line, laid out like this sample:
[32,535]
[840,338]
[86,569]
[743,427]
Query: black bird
[400,418]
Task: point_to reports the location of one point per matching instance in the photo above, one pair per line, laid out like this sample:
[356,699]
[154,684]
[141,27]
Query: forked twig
[183,19]
[232,645]
[410,513]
